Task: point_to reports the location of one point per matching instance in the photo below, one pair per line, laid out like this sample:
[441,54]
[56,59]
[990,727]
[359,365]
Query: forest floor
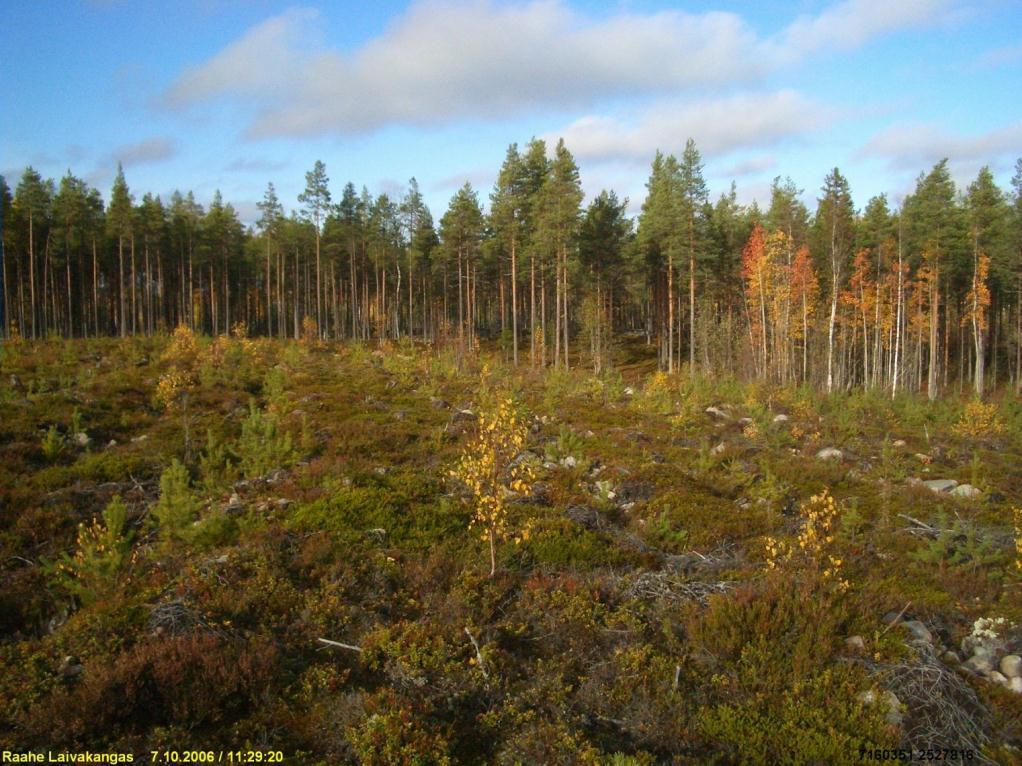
[305,580]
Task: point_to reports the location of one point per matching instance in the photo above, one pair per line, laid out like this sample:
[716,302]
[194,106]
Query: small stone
[719,449]
[951,657]
[997,678]
[966,490]
[924,459]
[112,443]
[1015,684]
[380,470]
[439,404]
[569,461]
[898,443]
[141,438]
[1011,665]
[940,485]
[891,617]
[917,629]
[745,421]
[717,413]
[829,453]
[856,643]
[989,648]
[629,391]
[82,439]
[589,434]
[781,418]
[894,714]
[979,664]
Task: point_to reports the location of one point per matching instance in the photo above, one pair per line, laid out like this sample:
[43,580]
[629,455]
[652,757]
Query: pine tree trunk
[514,299]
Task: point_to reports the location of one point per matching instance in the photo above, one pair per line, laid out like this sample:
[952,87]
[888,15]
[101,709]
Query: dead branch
[339,645]
[479,655]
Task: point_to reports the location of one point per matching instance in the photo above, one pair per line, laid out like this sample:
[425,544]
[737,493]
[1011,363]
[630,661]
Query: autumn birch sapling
[491,472]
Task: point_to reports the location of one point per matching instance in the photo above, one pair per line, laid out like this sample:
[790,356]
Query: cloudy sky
[231,94]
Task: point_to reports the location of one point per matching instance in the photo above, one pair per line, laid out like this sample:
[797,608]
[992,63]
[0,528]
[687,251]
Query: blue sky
[231,94]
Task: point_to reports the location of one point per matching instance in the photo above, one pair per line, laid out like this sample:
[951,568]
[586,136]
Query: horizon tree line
[925,297]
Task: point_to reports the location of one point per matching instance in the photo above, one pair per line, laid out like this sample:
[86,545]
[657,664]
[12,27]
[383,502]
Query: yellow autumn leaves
[492,470]
[814,548]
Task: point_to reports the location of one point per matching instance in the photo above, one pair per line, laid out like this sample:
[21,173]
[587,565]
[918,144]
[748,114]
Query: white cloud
[751,166]
[145,152]
[998,57]
[444,60]
[262,64]
[915,145]
[255,165]
[850,24]
[718,126]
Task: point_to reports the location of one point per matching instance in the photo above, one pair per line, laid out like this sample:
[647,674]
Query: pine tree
[988,229]
[603,236]
[269,223]
[834,232]
[316,202]
[507,215]
[32,201]
[694,197]
[560,200]
[119,221]
[461,232]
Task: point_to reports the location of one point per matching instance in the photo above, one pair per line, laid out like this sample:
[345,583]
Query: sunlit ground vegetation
[242,542]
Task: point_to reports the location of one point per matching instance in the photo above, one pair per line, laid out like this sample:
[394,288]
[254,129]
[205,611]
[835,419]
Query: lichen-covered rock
[966,491]
[940,485]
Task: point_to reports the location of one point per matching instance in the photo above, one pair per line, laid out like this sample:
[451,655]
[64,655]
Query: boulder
[830,453]
[1011,666]
[940,485]
[894,714]
[979,664]
[918,630]
[855,643]
[966,490]
[997,678]
[982,646]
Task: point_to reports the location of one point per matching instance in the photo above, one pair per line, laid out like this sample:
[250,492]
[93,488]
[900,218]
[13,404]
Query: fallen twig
[339,645]
[479,655]
[896,618]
